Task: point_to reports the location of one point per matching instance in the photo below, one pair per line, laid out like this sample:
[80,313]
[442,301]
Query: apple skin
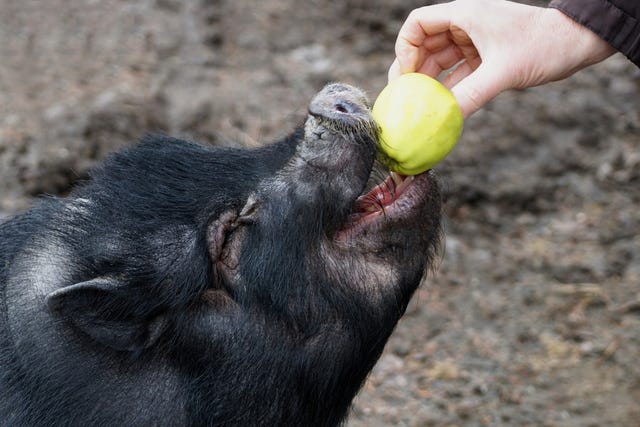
[420,122]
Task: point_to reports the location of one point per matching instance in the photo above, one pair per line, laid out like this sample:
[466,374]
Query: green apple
[420,122]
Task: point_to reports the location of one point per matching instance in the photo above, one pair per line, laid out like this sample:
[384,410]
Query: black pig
[197,286]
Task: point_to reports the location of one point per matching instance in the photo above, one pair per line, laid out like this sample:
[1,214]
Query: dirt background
[533,317]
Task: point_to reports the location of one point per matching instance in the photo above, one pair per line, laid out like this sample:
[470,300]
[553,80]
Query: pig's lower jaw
[396,202]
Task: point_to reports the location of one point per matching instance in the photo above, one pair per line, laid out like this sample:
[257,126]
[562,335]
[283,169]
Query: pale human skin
[498,44]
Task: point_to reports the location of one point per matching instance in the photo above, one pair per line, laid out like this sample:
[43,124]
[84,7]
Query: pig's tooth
[397,179]
[405,183]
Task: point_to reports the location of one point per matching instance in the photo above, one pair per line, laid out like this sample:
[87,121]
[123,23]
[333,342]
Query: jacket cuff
[620,29]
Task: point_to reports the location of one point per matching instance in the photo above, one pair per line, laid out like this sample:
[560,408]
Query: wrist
[576,45]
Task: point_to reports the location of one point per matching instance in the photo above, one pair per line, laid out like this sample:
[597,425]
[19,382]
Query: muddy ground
[533,315]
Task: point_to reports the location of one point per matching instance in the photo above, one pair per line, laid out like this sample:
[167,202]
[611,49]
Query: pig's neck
[282,383]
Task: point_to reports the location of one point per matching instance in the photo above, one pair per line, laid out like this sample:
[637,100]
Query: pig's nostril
[345,108]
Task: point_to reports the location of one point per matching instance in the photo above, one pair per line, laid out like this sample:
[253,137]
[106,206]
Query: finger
[420,23]
[436,42]
[461,71]
[394,70]
[475,90]
[437,62]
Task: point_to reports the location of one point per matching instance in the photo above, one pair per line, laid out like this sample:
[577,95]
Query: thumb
[476,89]
[394,70]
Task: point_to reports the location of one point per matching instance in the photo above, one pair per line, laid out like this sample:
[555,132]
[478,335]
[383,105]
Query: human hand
[498,44]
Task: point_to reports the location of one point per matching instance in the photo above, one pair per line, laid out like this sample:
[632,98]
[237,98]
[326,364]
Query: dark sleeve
[616,21]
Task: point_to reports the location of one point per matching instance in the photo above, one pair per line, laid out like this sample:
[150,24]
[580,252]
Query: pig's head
[221,286]
[320,244]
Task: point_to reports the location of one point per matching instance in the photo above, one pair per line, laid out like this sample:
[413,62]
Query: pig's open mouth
[393,200]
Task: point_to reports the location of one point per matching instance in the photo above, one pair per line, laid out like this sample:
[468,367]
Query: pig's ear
[100,308]
[250,211]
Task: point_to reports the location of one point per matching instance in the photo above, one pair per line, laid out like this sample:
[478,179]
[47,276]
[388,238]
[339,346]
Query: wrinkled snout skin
[187,285]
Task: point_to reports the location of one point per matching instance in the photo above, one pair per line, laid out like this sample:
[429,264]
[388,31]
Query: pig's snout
[341,102]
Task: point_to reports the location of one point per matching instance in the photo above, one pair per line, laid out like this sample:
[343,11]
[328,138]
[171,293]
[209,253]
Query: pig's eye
[218,299]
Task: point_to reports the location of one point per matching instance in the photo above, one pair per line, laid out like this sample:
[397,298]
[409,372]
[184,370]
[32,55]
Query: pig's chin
[395,202]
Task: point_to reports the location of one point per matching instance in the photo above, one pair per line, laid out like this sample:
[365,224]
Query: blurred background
[533,315]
